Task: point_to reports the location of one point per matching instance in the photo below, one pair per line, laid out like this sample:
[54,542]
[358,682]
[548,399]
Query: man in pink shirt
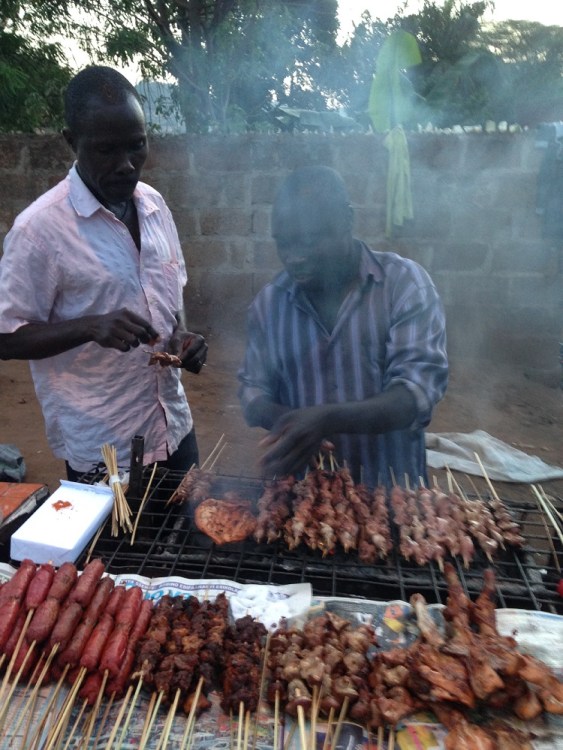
[91,278]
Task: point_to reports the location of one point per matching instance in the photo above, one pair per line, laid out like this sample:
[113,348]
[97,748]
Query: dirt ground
[501,401]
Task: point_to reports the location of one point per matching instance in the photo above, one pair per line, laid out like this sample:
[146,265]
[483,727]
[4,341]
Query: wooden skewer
[95,710]
[549,501]
[47,709]
[119,717]
[489,483]
[548,513]
[380,737]
[121,512]
[265,653]
[212,464]
[9,668]
[190,723]
[7,699]
[289,739]
[92,546]
[276,719]
[131,709]
[328,733]
[102,723]
[30,717]
[341,717]
[142,504]
[314,713]
[75,725]
[145,737]
[240,723]
[17,708]
[217,448]
[145,731]
[474,486]
[64,713]
[163,742]
[246,730]
[548,535]
[391,745]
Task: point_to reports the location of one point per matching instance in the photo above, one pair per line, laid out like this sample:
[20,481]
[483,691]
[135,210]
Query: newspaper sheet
[122,726]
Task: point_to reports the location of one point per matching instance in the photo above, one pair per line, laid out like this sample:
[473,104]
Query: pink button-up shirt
[67,256]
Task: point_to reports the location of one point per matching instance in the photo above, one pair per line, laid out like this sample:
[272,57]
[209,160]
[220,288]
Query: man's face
[311,244]
[111,148]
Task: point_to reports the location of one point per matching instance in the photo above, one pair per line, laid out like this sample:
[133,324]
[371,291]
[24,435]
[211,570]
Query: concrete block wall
[475,228]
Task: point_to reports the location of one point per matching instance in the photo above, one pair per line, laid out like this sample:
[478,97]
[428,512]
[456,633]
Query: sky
[548,12]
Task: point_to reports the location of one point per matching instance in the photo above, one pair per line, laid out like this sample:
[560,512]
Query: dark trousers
[183,458]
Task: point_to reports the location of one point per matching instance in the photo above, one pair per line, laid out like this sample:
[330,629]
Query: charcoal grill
[168,543]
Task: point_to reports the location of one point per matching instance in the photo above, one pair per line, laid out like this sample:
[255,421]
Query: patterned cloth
[390,329]
[66,257]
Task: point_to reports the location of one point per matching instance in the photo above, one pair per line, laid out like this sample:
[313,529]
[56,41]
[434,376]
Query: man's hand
[191,348]
[294,440]
[121,330]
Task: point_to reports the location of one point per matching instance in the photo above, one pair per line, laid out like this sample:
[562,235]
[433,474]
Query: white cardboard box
[59,530]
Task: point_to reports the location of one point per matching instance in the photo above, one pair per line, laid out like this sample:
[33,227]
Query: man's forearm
[394,409]
[41,340]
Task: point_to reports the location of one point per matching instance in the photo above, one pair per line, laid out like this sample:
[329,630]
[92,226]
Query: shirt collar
[370,267]
[86,204]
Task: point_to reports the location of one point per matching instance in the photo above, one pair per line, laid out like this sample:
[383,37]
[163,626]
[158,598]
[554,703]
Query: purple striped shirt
[390,329]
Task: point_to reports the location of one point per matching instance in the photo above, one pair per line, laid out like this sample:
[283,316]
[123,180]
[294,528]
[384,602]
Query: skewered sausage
[91,688]
[39,586]
[99,600]
[13,638]
[72,653]
[117,683]
[64,580]
[9,612]
[116,646]
[115,600]
[16,587]
[87,582]
[128,613]
[94,647]
[66,625]
[142,622]
[43,620]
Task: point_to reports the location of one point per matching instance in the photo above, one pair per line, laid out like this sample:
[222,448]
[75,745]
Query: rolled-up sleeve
[416,351]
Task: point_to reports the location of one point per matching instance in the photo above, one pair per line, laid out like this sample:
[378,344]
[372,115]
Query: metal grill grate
[169,543]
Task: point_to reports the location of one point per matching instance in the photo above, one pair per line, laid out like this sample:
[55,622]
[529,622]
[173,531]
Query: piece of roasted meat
[164,359]
[225,521]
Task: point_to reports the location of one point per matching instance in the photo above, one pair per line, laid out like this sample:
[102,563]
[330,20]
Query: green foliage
[32,79]
[230,59]
[234,63]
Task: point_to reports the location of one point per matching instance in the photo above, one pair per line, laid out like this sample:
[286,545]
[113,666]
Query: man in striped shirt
[345,344]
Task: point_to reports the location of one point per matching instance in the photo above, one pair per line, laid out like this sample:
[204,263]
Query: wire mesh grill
[168,543]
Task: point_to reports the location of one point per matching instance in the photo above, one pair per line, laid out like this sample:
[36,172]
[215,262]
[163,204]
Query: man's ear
[67,135]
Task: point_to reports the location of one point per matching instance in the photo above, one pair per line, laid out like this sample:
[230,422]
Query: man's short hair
[95,81]
[318,187]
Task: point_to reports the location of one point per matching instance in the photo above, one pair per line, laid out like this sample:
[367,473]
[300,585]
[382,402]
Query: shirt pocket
[173,280]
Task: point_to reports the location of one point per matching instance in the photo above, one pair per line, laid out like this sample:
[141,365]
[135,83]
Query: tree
[230,59]
[532,59]
[33,73]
